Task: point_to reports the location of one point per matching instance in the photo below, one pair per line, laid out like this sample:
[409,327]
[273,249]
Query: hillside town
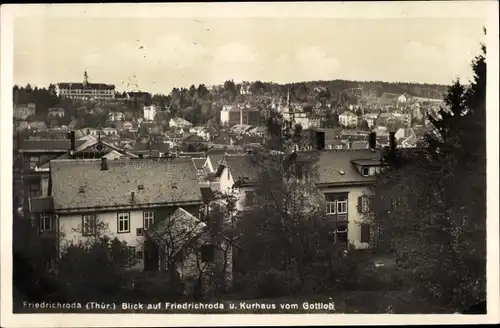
[176,183]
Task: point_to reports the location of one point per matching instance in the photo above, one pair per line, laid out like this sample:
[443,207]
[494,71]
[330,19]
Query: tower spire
[85,78]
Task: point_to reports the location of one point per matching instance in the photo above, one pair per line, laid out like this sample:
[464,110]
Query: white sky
[180,51]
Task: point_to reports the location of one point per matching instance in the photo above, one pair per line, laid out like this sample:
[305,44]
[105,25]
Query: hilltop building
[85,90]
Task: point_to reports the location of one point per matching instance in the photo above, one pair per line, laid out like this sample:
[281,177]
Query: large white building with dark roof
[85,90]
[138,201]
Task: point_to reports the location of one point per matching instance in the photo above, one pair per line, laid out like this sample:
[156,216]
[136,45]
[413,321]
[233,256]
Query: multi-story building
[343,177]
[56,112]
[116,116]
[86,90]
[22,112]
[179,122]
[348,119]
[155,205]
[35,157]
[150,112]
[234,115]
[371,119]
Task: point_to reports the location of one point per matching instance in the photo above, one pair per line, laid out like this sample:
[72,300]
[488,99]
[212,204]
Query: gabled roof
[241,167]
[164,181]
[86,142]
[199,162]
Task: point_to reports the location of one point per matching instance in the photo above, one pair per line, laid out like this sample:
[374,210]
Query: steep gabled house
[238,174]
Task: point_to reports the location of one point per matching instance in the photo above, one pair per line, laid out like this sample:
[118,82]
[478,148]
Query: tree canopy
[431,203]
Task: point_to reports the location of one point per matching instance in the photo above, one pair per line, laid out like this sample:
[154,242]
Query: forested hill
[330,89]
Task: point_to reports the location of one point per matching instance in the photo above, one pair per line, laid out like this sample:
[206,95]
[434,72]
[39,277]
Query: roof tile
[165,181]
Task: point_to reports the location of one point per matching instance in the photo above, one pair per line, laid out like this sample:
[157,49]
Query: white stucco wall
[70,228]
[355,218]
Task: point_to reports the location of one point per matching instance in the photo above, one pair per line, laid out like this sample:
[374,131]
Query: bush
[155,286]
[266,284]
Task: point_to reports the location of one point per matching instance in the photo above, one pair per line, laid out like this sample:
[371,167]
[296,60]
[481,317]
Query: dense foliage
[431,205]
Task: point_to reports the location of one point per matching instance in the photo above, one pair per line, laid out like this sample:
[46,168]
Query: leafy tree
[431,203]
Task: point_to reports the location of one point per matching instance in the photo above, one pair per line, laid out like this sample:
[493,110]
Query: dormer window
[365,171]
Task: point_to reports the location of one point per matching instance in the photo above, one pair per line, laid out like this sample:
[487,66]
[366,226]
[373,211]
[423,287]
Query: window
[330,203]
[365,233]
[342,205]
[207,253]
[228,174]
[34,162]
[123,222]
[88,225]
[45,222]
[365,171]
[249,198]
[149,219]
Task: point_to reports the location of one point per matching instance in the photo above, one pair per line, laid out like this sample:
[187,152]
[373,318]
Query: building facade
[150,112]
[348,119]
[22,112]
[86,90]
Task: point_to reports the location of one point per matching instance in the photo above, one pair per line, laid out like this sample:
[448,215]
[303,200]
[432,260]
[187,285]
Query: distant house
[179,122]
[201,132]
[127,126]
[32,126]
[371,119]
[115,116]
[150,112]
[260,131]
[193,140]
[138,95]
[109,131]
[233,115]
[56,112]
[348,119]
[22,112]
[238,170]
[386,119]
[404,119]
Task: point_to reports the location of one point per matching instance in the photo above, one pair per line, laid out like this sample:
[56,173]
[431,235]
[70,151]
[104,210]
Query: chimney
[392,140]
[320,140]
[104,164]
[372,140]
[71,136]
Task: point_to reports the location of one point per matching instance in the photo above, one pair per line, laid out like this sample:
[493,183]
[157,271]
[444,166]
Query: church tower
[85,79]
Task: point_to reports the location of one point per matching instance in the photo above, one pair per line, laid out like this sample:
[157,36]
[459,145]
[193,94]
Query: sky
[155,54]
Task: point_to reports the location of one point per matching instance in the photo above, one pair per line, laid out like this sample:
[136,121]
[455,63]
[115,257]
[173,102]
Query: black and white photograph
[220,163]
